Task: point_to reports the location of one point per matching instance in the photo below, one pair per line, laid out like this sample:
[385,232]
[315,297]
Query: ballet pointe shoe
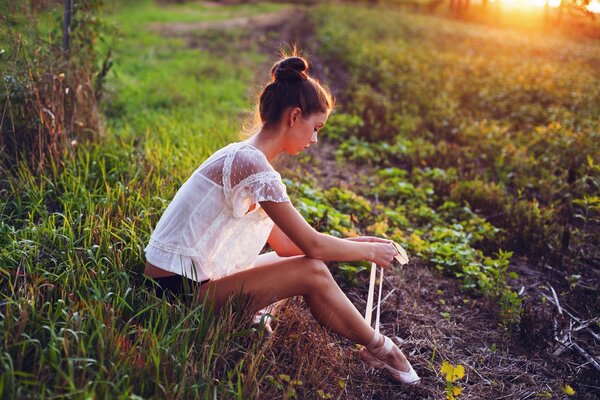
[368,357]
[374,355]
[263,320]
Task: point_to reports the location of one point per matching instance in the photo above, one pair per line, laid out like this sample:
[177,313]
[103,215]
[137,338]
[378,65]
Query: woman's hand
[383,253]
[371,239]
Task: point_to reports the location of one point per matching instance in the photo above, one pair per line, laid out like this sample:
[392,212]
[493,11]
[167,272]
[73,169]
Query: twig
[585,325]
[507,396]
[471,368]
[587,356]
[384,299]
[565,341]
[588,330]
[557,304]
[572,345]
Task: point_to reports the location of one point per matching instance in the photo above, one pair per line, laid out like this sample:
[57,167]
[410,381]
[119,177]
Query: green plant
[50,97]
[452,373]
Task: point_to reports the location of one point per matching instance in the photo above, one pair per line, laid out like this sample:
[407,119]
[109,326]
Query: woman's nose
[314,140]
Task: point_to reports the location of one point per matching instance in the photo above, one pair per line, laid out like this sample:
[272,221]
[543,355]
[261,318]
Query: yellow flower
[568,390]
[452,372]
[446,368]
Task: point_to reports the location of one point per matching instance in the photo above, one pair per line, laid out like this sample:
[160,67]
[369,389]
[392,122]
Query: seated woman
[218,222]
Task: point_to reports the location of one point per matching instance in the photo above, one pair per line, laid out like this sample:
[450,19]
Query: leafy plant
[452,373]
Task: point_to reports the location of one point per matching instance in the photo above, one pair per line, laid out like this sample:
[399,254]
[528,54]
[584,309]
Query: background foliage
[469,145]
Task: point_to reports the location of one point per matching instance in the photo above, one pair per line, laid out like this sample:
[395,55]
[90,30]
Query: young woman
[219,220]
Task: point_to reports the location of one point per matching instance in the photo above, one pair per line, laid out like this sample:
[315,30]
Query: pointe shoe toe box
[371,359]
[374,357]
[409,377]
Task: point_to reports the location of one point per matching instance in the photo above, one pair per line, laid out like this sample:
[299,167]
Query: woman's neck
[269,141]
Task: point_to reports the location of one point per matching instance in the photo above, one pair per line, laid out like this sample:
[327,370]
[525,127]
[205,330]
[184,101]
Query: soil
[432,318]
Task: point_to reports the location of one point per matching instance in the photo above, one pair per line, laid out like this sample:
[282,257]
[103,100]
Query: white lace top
[207,232]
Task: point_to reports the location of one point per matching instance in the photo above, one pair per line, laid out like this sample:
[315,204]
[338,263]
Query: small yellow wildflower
[568,390]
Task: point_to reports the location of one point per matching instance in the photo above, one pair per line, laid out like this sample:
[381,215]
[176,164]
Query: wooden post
[67,28]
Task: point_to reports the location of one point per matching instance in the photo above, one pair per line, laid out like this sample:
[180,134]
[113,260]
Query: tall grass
[76,319]
[49,96]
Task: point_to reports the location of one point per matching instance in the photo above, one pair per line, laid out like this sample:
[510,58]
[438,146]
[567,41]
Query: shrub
[489,198]
[376,111]
[529,228]
[341,126]
[50,100]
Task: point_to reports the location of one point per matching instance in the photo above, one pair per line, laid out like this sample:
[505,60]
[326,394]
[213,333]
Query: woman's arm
[322,246]
[368,239]
[283,245]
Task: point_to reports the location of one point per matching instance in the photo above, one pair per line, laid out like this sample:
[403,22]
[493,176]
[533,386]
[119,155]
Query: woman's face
[303,130]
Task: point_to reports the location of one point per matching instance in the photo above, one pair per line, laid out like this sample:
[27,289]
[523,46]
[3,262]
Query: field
[475,146]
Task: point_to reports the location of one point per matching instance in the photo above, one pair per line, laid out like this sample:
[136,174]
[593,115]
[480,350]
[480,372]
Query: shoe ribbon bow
[402,258]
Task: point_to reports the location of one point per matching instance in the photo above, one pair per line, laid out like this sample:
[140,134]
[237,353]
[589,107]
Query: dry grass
[50,101]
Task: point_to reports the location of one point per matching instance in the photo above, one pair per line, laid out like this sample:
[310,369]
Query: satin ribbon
[402,258]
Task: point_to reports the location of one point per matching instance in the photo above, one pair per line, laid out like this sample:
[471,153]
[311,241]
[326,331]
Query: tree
[67,28]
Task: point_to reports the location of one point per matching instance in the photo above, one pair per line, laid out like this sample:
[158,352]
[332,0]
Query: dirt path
[428,311]
[258,22]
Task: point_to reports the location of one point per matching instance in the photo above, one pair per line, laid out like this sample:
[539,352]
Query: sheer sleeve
[252,180]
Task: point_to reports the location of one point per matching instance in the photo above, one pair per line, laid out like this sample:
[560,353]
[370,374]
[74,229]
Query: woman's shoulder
[219,154]
[249,156]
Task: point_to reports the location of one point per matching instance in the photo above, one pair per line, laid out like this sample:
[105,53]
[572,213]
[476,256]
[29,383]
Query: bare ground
[500,363]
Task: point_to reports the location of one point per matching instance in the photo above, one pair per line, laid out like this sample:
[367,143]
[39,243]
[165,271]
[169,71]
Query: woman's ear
[294,114]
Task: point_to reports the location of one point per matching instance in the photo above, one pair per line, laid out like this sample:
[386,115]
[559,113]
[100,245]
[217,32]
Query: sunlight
[594,5]
[528,3]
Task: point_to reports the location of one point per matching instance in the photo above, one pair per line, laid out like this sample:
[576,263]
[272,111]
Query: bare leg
[265,259]
[283,277]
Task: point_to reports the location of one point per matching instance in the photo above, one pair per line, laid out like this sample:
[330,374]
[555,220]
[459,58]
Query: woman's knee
[317,273]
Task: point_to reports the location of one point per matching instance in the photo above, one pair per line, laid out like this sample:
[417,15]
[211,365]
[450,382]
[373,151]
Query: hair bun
[290,69]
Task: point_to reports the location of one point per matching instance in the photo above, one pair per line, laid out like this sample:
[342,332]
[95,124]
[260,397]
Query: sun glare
[594,5]
[528,3]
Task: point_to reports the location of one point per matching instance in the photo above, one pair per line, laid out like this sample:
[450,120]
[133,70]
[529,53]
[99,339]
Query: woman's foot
[263,319]
[395,358]
[383,353]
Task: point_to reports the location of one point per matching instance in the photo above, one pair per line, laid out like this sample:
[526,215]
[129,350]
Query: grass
[146,12]
[76,320]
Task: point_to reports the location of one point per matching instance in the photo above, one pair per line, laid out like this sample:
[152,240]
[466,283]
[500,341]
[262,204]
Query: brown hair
[291,86]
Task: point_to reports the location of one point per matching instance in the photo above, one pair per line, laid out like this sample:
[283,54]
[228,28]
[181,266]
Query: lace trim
[262,177]
[227,175]
[276,200]
[227,167]
[173,248]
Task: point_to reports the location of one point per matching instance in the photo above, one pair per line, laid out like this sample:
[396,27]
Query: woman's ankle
[377,341]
